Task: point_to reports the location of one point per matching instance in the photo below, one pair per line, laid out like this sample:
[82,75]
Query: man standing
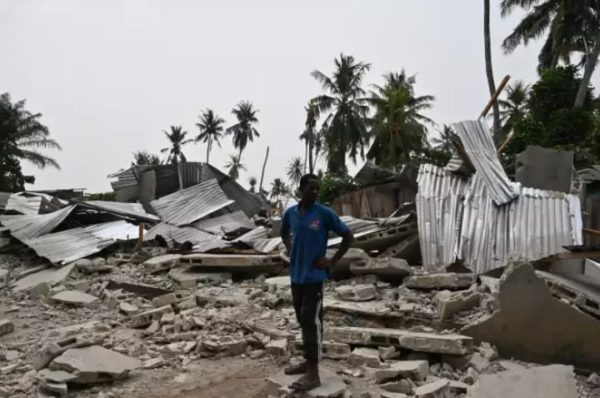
[304,231]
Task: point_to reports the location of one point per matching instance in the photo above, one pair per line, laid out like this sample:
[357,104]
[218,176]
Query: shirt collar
[299,205]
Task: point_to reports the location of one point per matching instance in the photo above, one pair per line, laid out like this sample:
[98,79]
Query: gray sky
[109,76]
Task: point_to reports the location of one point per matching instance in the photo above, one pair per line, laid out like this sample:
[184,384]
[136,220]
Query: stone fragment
[367,308]
[6,326]
[415,370]
[153,363]
[478,362]
[451,303]
[330,349]
[458,387]
[74,297]
[167,318]
[390,352]
[356,292]
[50,276]
[517,334]
[165,299]
[128,309]
[40,290]
[439,281]
[189,346]
[554,381]
[145,318]
[364,357]
[187,303]
[279,281]
[437,389]
[401,386]
[154,327]
[5,392]
[277,348]
[594,379]
[228,345]
[95,364]
[81,285]
[392,395]
[56,376]
[416,341]
[162,263]
[332,386]
[56,389]
[460,362]
[141,289]
[383,267]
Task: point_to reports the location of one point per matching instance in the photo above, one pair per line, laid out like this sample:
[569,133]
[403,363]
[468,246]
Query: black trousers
[308,304]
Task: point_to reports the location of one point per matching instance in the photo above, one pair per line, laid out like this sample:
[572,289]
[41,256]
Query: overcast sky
[110,76]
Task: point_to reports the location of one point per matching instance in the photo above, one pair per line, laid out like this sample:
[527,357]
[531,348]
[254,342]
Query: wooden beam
[590,231]
[494,98]
[577,255]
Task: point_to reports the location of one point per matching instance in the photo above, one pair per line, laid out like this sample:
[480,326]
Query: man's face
[310,192]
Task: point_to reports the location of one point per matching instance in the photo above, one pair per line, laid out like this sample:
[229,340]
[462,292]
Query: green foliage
[145,158]
[553,122]
[109,196]
[243,131]
[334,185]
[211,129]
[11,177]
[177,139]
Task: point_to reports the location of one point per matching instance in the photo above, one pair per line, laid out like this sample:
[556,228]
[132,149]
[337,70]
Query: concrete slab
[279,281]
[6,326]
[454,344]
[56,376]
[364,356]
[162,263]
[414,370]
[555,381]
[437,389]
[74,297]
[558,333]
[145,318]
[371,308]
[451,303]
[188,278]
[128,309]
[49,276]
[95,364]
[383,267]
[408,249]
[332,386]
[330,350]
[141,289]
[580,290]
[447,280]
[361,292]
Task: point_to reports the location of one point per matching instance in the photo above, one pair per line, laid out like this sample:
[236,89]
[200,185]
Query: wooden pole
[494,98]
[140,242]
[262,175]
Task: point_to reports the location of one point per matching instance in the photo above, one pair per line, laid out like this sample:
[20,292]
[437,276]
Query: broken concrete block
[439,281]
[95,364]
[74,297]
[128,309]
[414,370]
[145,318]
[167,318]
[40,290]
[81,285]
[451,303]
[364,357]
[279,281]
[399,386]
[367,308]
[56,376]
[392,395]
[332,385]
[6,326]
[330,349]
[356,292]
[162,263]
[50,276]
[153,363]
[277,348]
[165,299]
[575,288]
[518,334]
[227,345]
[478,362]
[437,389]
[416,341]
[187,303]
[141,289]
[55,389]
[459,362]
[154,327]
[384,267]
[390,352]
[554,381]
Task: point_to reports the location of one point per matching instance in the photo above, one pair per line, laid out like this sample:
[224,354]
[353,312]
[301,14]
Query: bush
[333,186]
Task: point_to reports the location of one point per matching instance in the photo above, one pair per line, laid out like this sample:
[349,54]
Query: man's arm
[285,233]
[347,239]
[336,225]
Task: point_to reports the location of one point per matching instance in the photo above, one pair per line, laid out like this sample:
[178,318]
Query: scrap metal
[30,226]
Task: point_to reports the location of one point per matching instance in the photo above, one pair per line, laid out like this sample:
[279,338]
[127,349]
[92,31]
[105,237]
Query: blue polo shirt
[309,240]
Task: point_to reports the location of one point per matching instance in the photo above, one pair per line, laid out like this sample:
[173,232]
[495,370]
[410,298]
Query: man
[304,231]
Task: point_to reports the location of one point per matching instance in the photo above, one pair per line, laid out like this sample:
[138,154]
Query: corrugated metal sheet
[4,196]
[132,210]
[259,239]
[70,245]
[24,204]
[191,204]
[201,241]
[479,147]
[459,220]
[33,225]
[439,207]
[226,223]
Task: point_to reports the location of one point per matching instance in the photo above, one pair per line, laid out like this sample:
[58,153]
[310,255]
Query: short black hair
[306,178]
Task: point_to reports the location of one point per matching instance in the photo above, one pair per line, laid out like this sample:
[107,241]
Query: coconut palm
[310,136]
[145,158]
[177,139]
[399,127]
[22,134]
[344,127]
[278,188]
[243,131]
[252,181]
[571,26]
[514,106]
[235,166]
[489,71]
[211,130]
[295,170]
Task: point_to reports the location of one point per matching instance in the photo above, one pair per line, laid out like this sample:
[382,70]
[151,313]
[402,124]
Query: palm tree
[398,125]
[295,170]
[309,135]
[514,106]
[252,181]
[278,188]
[22,133]
[177,139]
[235,166]
[572,26]
[489,71]
[145,158]
[243,131]
[211,129]
[344,127]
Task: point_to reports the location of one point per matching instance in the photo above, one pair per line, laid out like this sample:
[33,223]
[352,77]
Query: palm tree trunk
[311,162]
[588,71]
[208,145]
[488,67]
[262,174]
[179,179]
[305,156]
[239,156]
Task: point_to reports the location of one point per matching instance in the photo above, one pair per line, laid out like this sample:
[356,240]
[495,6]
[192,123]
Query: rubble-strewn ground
[225,339]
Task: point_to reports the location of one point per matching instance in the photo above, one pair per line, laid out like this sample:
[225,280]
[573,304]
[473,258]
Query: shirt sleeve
[285,223]
[335,224]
